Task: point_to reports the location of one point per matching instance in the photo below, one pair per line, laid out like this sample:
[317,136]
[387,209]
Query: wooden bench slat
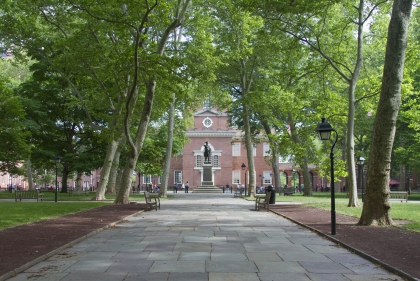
[75,192]
[151,203]
[28,194]
[398,196]
[237,192]
[265,204]
[288,190]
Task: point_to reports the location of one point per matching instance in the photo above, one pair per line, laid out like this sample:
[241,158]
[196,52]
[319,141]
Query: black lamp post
[57,160]
[324,130]
[139,181]
[11,183]
[243,169]
[360,162]
[408,181]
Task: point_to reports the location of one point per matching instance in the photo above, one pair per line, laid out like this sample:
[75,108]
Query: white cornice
[209,112]
[213,134]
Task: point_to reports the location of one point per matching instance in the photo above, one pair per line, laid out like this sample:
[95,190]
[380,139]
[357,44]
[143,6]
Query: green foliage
[14,146]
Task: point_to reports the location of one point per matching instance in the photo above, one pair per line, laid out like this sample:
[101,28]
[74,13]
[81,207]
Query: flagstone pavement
[206,237]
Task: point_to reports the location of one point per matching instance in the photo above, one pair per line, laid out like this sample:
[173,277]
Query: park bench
[156,197]
[28,194]
[77,192]
[151,202]
[288,190]
[263,201]
[398,196]
[237,192]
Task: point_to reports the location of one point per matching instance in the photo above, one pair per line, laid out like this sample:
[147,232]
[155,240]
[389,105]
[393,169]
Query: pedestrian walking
[187,185]
[176,188]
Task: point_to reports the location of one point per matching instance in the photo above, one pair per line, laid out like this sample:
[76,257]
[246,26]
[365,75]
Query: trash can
[273,194]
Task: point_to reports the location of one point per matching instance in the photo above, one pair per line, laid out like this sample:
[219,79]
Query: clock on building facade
[207,122]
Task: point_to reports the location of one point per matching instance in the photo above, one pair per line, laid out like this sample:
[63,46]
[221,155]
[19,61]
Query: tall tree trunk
[106,168]
[274,155]
[29,174]
[64,176]
[115,170]
[136,145]
[79,183]
[165,176]
[307,190]
[351,165]
[351,168]
[135,148]
[376,209]
[126,181]
[403,178]
[249,154]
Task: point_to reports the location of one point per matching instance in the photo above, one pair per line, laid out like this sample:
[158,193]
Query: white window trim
[179,172]
[267,178]
[236,177]
[216,161]
[236,149]
[266,149]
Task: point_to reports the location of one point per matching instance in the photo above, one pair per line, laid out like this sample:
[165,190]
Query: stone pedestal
[207,175]
[207,183]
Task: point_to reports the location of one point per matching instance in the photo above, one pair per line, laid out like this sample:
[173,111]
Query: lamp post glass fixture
[57,160]
[360,162]
[324,130]
[243,169]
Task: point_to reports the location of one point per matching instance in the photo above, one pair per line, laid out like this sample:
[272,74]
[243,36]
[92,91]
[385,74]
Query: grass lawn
[50,196]
[13,213]
[399,211]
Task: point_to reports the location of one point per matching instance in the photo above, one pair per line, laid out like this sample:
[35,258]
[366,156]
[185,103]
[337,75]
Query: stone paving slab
[206,238]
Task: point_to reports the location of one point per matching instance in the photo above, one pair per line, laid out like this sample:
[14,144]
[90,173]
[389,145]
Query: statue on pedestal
[207,153]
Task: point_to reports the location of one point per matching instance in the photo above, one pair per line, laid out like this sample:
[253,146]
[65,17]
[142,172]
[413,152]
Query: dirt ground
[391,245]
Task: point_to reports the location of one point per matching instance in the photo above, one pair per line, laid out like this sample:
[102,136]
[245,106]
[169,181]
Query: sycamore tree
[75,52]
[110,53]
[289,101]
[406,149]
[376,209]
[334,31]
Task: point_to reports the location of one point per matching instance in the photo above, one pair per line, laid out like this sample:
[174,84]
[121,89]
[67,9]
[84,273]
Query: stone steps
[207,189]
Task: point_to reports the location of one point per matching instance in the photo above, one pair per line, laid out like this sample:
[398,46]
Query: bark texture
[376,209]
[115,170]
[106,168]
[168,155]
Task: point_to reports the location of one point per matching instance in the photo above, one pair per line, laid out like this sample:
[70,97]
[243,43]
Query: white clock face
[207,122]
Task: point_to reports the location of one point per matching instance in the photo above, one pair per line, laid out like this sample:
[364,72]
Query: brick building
[228,155]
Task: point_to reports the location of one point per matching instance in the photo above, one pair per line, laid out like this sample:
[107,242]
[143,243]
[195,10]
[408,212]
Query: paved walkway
[206,237]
